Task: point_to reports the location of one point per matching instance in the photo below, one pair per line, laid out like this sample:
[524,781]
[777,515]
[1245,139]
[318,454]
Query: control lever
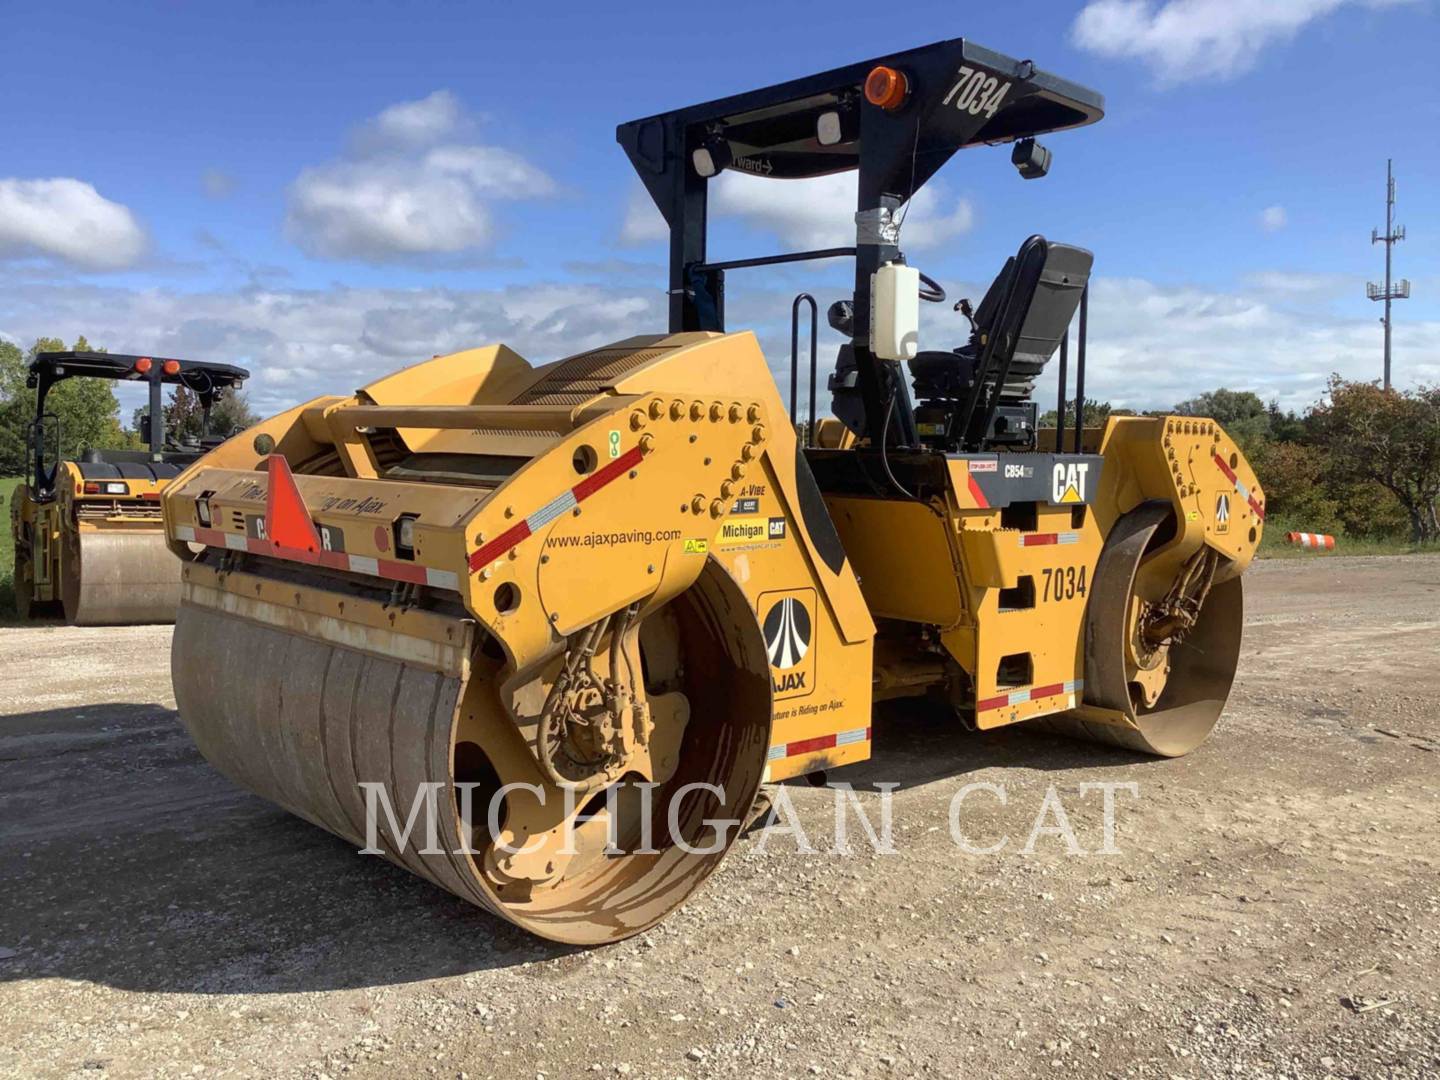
[963,307]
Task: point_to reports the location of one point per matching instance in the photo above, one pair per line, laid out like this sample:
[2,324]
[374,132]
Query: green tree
[1294,480]
[1245,418]
[184,417]
[16,410]
[232,414]
[88,413]
[1286,426]
[1096,413]
[1388,438]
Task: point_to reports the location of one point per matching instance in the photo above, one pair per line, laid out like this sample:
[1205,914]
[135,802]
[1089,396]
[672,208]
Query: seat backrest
[989,309]
[1039,310]
[1052,306]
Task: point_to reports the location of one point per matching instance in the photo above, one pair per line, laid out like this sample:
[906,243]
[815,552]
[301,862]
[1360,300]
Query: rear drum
[1201,667]
[303,722]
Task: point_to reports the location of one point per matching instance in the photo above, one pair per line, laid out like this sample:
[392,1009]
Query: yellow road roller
[539,632]
[89,539]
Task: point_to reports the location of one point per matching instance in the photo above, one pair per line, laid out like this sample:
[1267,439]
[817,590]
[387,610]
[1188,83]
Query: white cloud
[415,123]
[1274,218]
[411,187]
[1303,285]
[815,213]
[1275,333]
[1187,339]
[643,223]
[299,343]
[1192,39]
[69,220]
[820,212]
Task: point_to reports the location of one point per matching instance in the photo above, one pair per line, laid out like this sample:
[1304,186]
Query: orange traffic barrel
[1313,541]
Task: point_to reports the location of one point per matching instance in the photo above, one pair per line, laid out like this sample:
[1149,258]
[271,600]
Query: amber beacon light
[886,87]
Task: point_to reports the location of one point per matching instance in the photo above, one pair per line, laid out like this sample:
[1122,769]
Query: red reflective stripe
[1039,539]
[335,560]
[1036,692]
[282,509]
[412,573]
[976,494]
[499,546]
[820,742]
[491,551]
[600,477]
[809,746]
[401,571]
[1224,468]
[283,551]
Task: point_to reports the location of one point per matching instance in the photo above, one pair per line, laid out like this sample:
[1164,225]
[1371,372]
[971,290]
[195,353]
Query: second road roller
[587,607]
[89,542]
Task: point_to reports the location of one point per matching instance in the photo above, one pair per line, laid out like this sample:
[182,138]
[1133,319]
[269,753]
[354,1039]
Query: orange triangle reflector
[287,522]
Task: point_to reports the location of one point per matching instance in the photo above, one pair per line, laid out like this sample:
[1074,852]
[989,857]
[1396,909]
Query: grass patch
[1274,546]
[7,548]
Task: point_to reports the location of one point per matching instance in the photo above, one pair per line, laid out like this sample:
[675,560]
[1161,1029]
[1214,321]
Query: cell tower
[1392,290]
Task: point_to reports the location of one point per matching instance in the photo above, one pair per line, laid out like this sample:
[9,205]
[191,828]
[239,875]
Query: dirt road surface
[1274,909]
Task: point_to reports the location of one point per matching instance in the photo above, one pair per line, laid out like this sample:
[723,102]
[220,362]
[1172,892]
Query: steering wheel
[933,292]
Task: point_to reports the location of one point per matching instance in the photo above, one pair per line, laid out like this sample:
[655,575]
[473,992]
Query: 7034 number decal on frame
[1063,582]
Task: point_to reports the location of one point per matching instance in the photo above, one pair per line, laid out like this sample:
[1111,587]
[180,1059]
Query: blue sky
[324,192]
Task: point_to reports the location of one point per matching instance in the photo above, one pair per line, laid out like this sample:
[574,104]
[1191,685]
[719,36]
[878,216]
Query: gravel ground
[1274,908]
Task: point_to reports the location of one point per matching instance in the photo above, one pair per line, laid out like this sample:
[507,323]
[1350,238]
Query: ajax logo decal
[1222,512]
[787,633]
[788,626]
[1067,483]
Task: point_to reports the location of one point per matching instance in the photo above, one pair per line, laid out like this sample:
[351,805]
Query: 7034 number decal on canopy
[977,91]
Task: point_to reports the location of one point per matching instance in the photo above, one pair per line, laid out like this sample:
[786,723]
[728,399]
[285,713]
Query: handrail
[1061,401]
[809,436]
[776,260]
[1080,368]
[455,417]
[44,479]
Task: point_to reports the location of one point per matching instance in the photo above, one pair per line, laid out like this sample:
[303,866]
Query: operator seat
[1042,307]
[986,384]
